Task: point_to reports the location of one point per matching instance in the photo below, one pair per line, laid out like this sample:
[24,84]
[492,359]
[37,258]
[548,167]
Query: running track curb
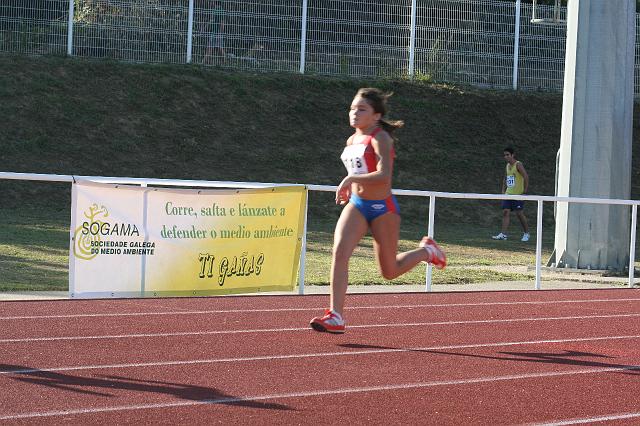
[391,288]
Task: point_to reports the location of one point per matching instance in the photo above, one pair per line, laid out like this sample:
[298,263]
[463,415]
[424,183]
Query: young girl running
[369,205]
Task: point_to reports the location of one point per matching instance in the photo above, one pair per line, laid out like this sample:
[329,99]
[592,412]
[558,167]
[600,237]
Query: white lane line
[344,391]
[316,355]
[607,418]
[280,330]
[233,311]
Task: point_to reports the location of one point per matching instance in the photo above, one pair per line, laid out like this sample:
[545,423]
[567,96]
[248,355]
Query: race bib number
[511,181]
[353,159]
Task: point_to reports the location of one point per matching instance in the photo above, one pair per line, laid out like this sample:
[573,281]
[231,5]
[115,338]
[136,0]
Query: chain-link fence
[481,43]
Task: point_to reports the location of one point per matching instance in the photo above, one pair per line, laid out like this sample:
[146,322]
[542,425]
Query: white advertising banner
[129,241]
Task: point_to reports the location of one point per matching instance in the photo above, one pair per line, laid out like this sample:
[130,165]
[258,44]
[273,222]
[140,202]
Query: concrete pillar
[595,146]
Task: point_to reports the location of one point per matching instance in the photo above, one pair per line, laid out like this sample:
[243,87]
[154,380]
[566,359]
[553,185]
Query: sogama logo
[90,233]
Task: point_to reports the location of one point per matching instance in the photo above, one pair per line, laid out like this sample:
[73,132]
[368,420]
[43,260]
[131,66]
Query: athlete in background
[515,182]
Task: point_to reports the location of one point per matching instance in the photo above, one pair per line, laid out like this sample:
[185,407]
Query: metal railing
[487,43]
[432,195]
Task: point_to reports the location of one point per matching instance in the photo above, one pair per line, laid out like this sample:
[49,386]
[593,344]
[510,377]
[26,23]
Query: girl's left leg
[386,233]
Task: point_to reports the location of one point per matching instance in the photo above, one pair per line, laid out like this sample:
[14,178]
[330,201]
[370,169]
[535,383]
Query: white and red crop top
[360,158]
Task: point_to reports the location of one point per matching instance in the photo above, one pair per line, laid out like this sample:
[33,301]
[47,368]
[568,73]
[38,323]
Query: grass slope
[102,118]
[71,116]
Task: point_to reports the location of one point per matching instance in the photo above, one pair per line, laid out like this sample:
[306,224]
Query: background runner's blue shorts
[512,204]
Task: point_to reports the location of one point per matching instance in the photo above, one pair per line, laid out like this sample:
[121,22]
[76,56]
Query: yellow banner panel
[130,241]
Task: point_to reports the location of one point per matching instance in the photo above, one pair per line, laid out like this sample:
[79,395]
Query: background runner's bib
[514,180]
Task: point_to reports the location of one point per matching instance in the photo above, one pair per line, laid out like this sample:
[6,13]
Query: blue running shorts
[372,209]
[512,205]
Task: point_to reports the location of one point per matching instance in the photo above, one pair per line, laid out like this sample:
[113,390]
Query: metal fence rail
[432,195]
[487,43]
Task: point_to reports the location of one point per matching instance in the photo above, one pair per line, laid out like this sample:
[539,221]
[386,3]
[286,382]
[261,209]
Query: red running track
[525,357]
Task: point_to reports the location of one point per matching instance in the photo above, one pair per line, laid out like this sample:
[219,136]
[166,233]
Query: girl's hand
[343,193]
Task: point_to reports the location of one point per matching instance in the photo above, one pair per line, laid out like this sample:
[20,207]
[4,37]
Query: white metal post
[303,36]
[632,244]
[432,216]
[412,38]
[190,33]
[72,245]
[143,259]
[539,246]
[70,28]
[516,47]
[303,249]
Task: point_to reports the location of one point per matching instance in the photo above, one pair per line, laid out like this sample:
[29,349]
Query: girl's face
[361,114]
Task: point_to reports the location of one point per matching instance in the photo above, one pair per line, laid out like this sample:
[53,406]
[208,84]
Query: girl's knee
[341,253]
[388,273]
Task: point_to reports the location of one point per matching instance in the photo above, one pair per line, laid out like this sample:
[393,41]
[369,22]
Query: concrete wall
[596,138]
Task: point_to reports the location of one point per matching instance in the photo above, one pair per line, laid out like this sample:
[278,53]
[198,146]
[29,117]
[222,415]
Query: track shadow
[572,358]
[361,346]
[82,384]
[563,358]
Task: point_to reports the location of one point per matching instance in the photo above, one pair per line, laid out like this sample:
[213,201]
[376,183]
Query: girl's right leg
[350,229]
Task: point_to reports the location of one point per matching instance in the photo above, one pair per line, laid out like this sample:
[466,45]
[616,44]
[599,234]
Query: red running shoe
[331,322]
[436,255]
